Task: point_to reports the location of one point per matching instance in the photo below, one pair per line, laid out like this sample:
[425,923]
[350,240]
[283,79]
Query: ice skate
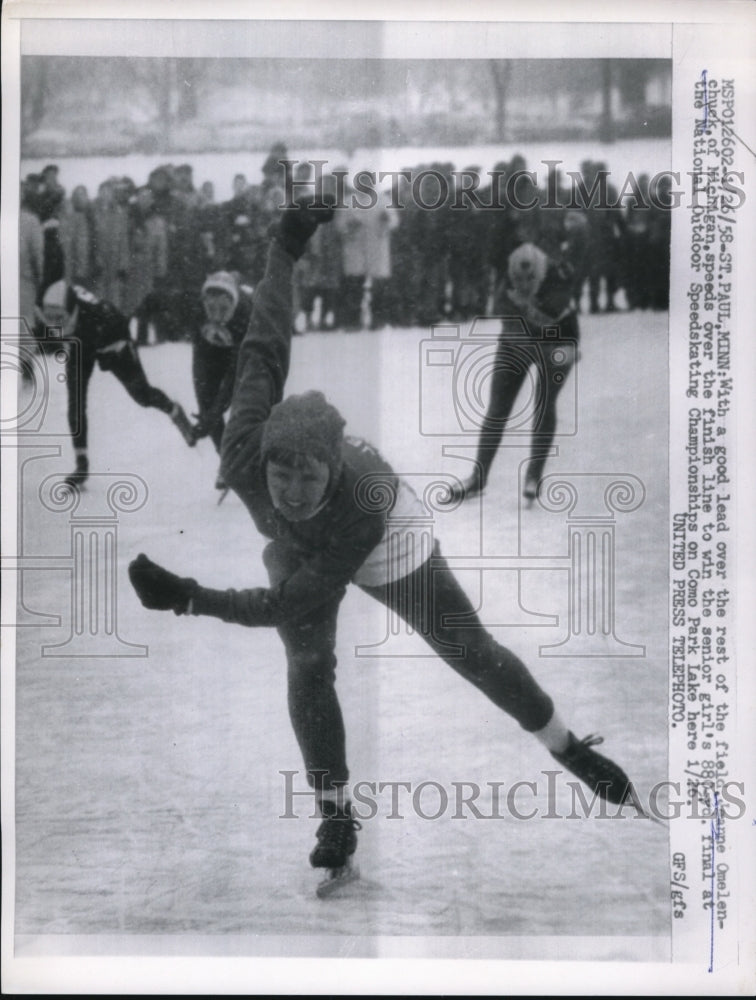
[337,842]
[180,419]
[602,775]
[531,490]
[471,487]
[76,479]
[335,879]
[222,486]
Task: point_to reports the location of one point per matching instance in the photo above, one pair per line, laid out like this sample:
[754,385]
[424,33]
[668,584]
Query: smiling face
[297,489]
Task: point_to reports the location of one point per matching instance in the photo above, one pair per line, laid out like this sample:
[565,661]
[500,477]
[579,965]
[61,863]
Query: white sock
[338,796]
[555,736]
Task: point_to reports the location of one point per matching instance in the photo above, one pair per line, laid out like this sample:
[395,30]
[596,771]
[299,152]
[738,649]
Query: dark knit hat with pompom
[306,425]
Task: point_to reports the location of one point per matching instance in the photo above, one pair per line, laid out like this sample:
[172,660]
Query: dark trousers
[432,602]
[549,362]
[212,368]
[126,367]
[350,310]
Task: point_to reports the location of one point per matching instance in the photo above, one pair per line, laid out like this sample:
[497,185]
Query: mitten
[159,589]
[299,221]
[204,424]
[555,294]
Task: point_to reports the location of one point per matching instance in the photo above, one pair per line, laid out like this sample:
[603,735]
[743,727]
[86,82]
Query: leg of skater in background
[506,382]
[553,367]
[123,361]
[79,367]
[210,372]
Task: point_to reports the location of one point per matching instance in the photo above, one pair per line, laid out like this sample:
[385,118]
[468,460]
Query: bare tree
[189,74]
[606,128]
[501,72]
[34,93]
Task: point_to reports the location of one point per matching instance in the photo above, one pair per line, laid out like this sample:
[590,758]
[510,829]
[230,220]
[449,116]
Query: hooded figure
[218,327]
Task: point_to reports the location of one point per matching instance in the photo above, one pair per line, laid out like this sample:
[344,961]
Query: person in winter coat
[308,489]
[366,257]
[218,330]
[148,264]
[243,227]
[50,207]
[31,259]
[111,258]
[77,237]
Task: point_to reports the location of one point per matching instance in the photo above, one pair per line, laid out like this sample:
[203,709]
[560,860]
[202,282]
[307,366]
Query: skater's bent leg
[128,369]
[313,704]
[551,379]
[505,386]
[79,368]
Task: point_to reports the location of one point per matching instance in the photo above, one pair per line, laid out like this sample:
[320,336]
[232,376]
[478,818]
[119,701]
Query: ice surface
[148,788]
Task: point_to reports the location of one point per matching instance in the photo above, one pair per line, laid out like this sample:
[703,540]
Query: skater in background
[302,481]
[537,291]
[103,336]
[216,337]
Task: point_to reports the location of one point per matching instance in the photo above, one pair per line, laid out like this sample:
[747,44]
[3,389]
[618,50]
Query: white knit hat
[222,281]
[55,296]
[528,257]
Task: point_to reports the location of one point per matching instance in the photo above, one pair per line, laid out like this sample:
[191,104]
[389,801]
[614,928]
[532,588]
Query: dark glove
[299,221]
[555,294]
[203,426]
[158,589]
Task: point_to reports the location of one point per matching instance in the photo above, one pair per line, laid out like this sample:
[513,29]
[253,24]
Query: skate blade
[336,878]
[222,497]
[73,486]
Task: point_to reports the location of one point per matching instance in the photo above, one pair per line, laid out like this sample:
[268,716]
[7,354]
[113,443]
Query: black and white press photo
[374,494]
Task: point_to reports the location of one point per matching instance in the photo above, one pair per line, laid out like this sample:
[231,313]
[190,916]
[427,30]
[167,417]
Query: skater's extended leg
[432,602]
[126,365]
[79,368]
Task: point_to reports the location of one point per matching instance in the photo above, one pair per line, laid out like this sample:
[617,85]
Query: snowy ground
[148,788]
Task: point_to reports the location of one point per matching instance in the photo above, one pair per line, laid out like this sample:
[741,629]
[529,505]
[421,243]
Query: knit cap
[306,425]
[527,258]
[55,296]
[222,281]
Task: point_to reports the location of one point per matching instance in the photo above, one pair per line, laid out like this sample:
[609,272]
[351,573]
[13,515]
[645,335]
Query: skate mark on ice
[345,883]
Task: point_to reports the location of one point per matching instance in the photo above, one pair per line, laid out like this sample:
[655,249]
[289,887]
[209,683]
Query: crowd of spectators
[147,248]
